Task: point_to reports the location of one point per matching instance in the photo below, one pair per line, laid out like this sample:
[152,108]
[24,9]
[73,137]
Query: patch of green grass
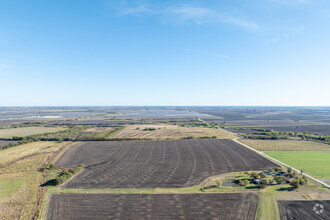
[10,186]
[316,164]
[267,204]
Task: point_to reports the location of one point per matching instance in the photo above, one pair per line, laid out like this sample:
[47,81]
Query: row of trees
[271,134]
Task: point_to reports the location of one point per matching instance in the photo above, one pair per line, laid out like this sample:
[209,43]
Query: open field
[161,206]
[304,210]
[19,185]
[323,129]
[26,131]
[143,164]
[94,122]
[2,143]
[12,154]
[316,164]
[170,131]
[98,129]
[285,145]
[20,191]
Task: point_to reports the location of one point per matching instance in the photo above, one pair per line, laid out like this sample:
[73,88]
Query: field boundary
[259,152]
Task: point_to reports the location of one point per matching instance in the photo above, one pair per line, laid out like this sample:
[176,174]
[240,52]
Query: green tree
[219,183]
[295,183]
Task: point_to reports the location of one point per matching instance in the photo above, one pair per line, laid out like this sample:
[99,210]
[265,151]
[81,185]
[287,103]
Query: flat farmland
[15,153]
[285,145]
[316,164]
[169,131]
[26,131]
[304,210]
[156,206]
[152,164]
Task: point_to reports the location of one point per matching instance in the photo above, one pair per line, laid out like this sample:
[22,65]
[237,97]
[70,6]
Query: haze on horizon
[186,53]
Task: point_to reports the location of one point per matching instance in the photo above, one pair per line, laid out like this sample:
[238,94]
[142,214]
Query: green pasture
[316,164]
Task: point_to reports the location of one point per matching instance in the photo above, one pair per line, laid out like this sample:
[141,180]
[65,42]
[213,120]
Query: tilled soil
[151,164]
[304,210]
[153,206]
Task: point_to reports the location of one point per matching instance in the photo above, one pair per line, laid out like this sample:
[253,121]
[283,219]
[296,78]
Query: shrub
[51,166]
[264,183]
[245,182]
[278,169]
[279,179]
[294,183]
[302,182]
[58,181]
[65,175]
[219,183]
[254,175]
[149,129]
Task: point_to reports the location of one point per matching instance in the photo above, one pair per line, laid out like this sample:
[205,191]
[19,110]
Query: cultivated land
[303,210]
[26,131]
[20,178]
[170,131]
[316,164]
[161,206]
[144,164]
[285,145]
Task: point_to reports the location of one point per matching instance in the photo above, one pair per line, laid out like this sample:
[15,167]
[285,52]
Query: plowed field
[165,164]
[145,206]
[304,210]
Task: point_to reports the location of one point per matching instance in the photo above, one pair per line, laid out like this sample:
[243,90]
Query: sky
[178,53]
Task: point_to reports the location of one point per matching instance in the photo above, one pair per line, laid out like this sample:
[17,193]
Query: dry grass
[14,153]
[26,131]
[285,145]
[19,184]
[20,181]
[98,129]
[169,131]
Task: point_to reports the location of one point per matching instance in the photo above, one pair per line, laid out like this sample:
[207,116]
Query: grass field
[317,164]
[19,185]
[170,131]
[14,153]
[285,145]
[99,129]
[20,191]
[26,131]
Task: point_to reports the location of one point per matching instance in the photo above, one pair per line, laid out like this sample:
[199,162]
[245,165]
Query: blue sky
[221,52]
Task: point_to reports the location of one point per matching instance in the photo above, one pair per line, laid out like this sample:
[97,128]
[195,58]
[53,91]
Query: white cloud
[191,13]
[186,14]
[292,2]
[136,11]
[208,53]
[244,24]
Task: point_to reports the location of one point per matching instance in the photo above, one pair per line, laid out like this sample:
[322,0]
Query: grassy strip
[267,204]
